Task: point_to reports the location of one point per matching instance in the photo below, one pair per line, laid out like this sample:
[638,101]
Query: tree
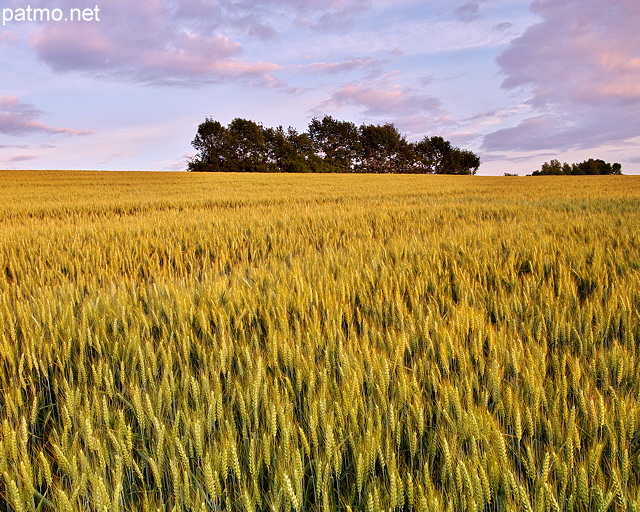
[589,167]
[305,158]
[335,141]
[240,147]
[210,142]
[594,167]
[461,161]
[552,168]
[381,148]
[427,158]
[247,142]
[290,151]
[329,145]
[436,155]
[279,149]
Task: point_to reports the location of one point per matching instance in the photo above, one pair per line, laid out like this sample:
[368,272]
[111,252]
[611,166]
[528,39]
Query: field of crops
[205,342]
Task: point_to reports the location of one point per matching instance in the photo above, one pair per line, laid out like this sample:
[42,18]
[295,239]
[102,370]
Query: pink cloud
[385,100]
[340,13]
[17,118]
[563,131]
[150,41]
[339,67]
[581,64]
[8,37]
[163,42]
[257,17]
[381,97]
[21,158]
[181,57]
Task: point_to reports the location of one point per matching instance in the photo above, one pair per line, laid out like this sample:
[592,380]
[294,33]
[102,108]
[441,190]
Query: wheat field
[210,342]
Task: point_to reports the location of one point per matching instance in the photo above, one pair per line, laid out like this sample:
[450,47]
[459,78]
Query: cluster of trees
[590,167]
[328,145]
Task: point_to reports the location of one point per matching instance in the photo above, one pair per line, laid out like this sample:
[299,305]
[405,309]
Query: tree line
[588,167]
[329,145]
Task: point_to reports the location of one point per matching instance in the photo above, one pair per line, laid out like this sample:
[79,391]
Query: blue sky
[518,82]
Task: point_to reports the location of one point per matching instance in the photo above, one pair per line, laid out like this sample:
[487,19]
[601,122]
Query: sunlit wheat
[365,343]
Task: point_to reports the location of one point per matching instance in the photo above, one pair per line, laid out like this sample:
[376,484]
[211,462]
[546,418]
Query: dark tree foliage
[329,145]
[437,156]
[336,142]
[588,167]
[247,147]
[290,151]
[382,149]
[210,142]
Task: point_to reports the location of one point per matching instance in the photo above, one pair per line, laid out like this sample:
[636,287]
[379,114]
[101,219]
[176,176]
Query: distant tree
[575,170]
[552,168]
[436,155]
[462,161]
[306,159]
[211,143]
[248,146]
[438,152]
[588,167]
[290,151]
[382,149]
[426,158]
[593,167]
[329,145]
[336,142]
[279,149]
[406,161]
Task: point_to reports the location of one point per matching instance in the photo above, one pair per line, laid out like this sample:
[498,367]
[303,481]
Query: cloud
[581,65]
[260,17]
[565,131]
[468,12]
[339,67]
[381,98]
[17,118]
[191,42]
[502,26]
[8,37]
[182,59]
[384,99]
[330,15]
[21,158]
[175,164]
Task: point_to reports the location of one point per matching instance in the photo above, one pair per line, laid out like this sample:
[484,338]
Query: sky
[123,85]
